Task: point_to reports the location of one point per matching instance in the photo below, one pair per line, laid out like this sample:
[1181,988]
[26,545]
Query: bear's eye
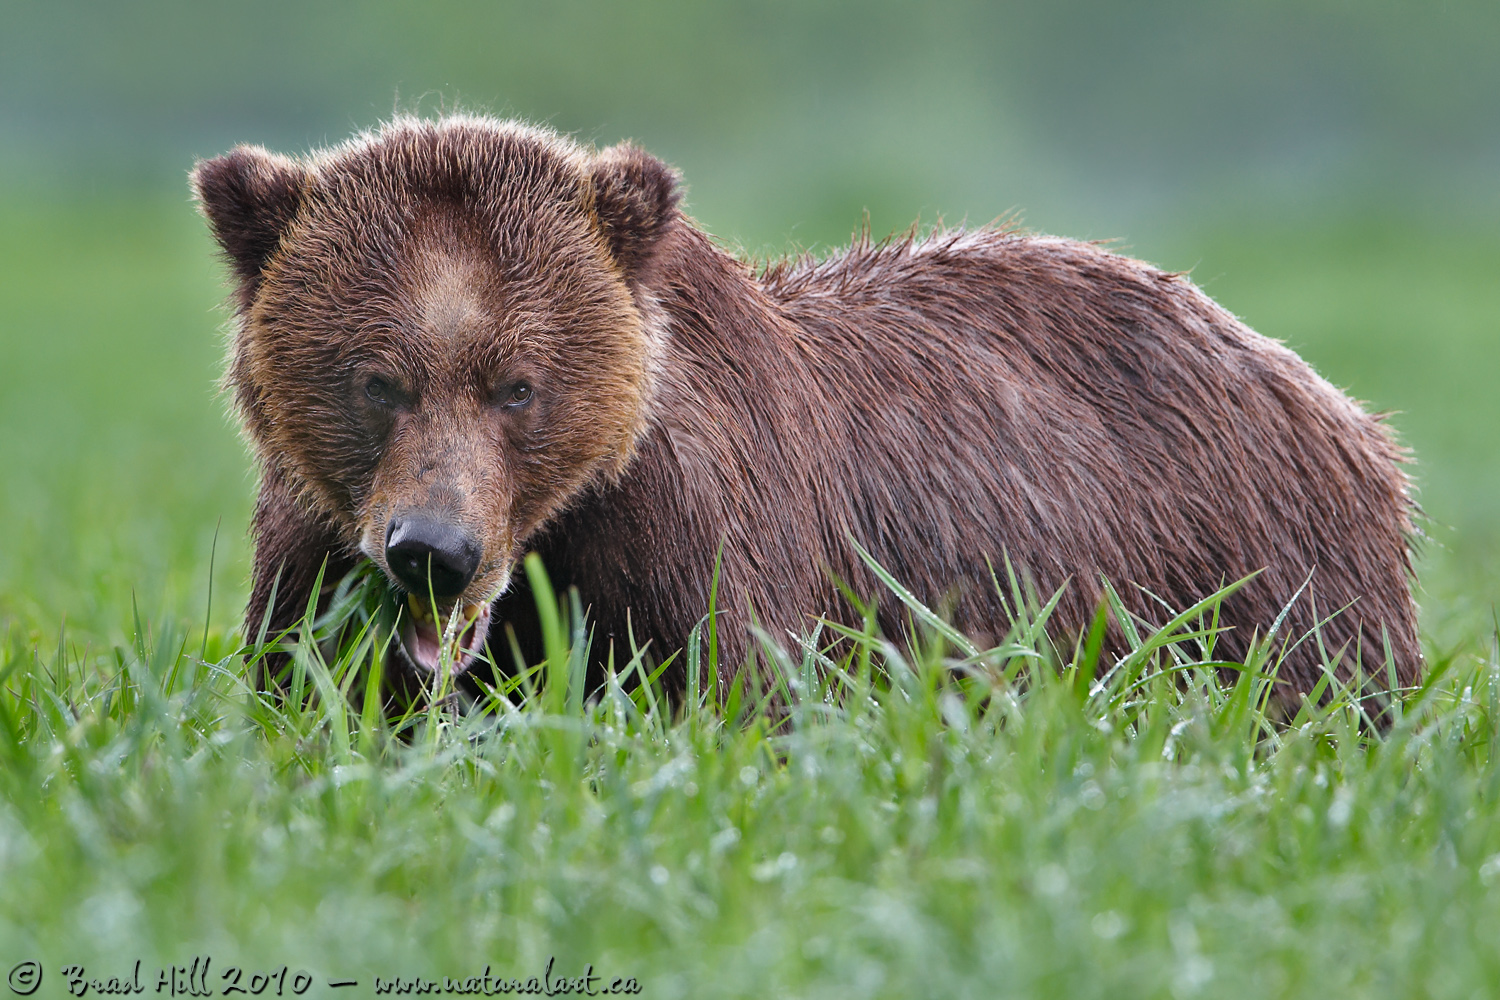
[519,395]
[380,391]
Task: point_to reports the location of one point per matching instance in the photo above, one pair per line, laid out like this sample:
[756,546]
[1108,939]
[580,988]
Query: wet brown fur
[948,402]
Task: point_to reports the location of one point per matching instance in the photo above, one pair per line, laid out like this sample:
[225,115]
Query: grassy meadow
[1012,827]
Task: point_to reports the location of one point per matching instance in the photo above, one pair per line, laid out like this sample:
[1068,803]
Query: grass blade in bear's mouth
[422,641]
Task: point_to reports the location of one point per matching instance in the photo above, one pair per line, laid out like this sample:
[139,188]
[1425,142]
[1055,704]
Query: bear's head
[444,334]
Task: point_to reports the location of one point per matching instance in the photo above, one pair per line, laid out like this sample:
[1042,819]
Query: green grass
[1010,831]
[995,825]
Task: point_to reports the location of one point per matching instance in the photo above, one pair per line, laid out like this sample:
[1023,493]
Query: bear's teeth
[419,610]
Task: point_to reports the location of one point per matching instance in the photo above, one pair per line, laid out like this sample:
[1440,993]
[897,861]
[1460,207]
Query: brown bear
[459,341]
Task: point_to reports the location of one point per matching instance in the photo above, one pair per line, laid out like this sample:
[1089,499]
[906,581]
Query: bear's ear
[635,196]
[249,197]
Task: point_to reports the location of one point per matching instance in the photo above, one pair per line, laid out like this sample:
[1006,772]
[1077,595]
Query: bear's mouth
[443,640]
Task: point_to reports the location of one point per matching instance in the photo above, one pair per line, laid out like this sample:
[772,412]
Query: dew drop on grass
[1342,807]
[1051,880]
[724,840]
[1091,795]
[500,817]
[1193,974]
[1107,925]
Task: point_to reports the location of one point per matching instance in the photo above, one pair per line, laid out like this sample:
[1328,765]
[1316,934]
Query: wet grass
[926,821]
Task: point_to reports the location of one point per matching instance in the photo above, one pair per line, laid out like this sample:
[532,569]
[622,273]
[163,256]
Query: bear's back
[1085,414]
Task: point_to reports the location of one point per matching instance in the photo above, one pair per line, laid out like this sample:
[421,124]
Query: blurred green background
[1325,169]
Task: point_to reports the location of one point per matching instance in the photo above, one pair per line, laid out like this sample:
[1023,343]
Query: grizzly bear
[460,341]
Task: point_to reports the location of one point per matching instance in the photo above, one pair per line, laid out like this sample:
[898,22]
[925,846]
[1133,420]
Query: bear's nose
[422,550]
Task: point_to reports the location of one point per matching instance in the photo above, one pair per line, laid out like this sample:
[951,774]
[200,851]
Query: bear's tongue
[422,641]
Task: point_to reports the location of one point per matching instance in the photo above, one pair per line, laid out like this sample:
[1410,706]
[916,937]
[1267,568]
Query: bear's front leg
[291,545]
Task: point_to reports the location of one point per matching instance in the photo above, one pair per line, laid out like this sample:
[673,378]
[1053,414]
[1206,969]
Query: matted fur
[947,402]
